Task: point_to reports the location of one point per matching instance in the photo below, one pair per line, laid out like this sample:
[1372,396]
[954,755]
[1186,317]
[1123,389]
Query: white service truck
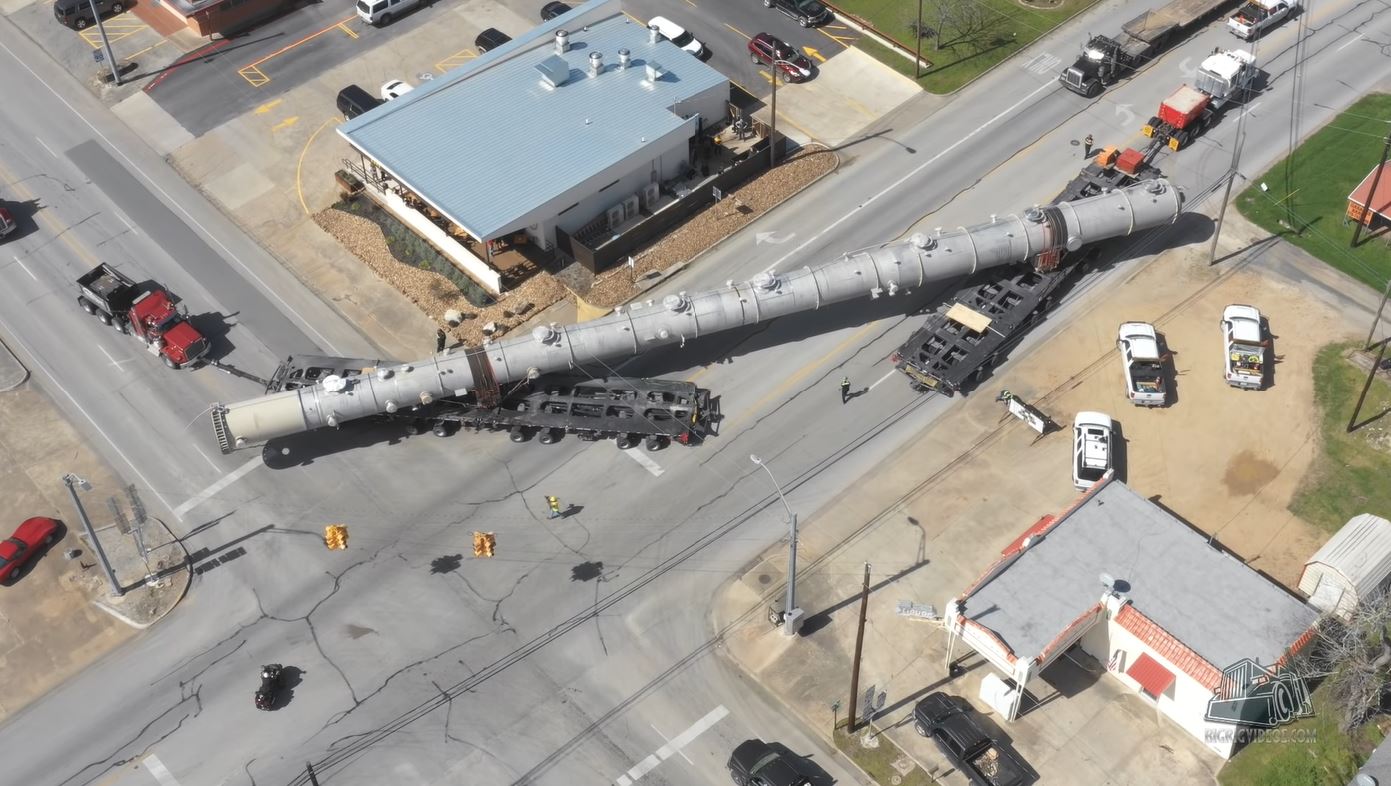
[1245,347]
[1144,367]
[1257,16]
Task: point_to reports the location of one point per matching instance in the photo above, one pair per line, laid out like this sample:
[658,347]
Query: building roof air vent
[555,70]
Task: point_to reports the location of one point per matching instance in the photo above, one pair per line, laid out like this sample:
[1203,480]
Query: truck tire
[517,434]
[920,729]
[386,20]
[86,305]
[117,8]
[626,441]
[549,436]
[804,21]
[104,318]
[655,443]
[168,361]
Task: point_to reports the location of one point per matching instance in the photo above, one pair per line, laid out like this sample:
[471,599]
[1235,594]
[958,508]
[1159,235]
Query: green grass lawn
[1308,192]
[1351,475]
[879,762]
[974,36]
[1309,752]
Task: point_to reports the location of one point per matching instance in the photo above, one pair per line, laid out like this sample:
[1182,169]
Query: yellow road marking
[114,33]
[697,373]
[746,36]
[134,55]
[635,19]
[692,5]
[766,77]
[286,123]
[268,106]
[344,27]
[458,58]
[300,165]
[814,52]
[253,75]
[800,373]
[843,40]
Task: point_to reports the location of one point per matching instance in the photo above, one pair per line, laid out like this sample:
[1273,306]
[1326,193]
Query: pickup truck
[981,759]
[1144,368]
[1257,16]
[1244,347]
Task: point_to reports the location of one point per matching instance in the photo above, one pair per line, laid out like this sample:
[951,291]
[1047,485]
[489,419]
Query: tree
[1353,659]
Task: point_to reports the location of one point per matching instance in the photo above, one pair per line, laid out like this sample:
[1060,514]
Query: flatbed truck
[1105,60]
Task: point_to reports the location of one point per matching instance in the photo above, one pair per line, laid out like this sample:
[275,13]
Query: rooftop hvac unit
[630,206]
[650,194]
[615,217]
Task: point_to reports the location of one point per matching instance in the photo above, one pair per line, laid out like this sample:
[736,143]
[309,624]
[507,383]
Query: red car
[766,49]
[20,547]
[7,224]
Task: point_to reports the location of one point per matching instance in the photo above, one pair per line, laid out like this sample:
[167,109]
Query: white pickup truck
[1257,16]
[1144,368]
[1244,345]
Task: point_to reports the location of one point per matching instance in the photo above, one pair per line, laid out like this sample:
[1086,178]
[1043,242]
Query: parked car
[77,14]
[553,9]
[272,682]
[7,223]
[395,89]
[756,763]
[490,39]
[381,12]
[1257,16]
[970,750]
[677,35]
[767,49]
[353,101]
[806,12]
[1092,441]
[1143,365]
[26,541]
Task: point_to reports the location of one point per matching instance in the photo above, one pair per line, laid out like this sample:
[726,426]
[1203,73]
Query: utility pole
[859,646]
[1385,292]
[309,770]
[918,41]
[773,130]
[105,43]
[1366,386]
[1376,180]
[72,482]
[791,615]
[1238,141]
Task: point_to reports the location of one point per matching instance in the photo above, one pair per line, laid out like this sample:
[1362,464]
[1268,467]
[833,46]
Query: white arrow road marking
[227,480]
[161,772]
[673,747]
[646,461]
[772,237]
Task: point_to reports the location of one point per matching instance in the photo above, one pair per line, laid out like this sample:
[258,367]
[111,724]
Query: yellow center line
[746,36]
[344,27]
[800,373]
[300,166]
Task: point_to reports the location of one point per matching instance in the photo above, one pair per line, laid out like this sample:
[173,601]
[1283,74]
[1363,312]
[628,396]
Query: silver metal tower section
[896,267]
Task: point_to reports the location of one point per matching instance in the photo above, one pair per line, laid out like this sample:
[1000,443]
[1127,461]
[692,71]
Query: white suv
[1092,435]
[381,12]
[677,35]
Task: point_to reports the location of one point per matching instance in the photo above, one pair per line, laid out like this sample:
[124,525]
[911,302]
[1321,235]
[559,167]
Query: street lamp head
[74,480]
[755,459]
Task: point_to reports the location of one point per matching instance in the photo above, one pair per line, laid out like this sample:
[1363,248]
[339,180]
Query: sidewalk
[938,515]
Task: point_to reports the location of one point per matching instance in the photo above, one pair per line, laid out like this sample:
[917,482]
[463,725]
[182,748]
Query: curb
[187,566]
[21,370]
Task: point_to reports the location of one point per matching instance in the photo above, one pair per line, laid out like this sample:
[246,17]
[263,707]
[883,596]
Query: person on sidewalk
[554,504]
[1087,146]
[439,340]
[844,389]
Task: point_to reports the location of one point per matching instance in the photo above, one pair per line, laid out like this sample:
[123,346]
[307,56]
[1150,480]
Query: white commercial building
[1190,628]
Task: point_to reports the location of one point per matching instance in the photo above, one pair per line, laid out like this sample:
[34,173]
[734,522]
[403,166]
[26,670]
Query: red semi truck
[150,315]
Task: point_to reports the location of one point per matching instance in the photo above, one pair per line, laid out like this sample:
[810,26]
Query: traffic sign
[98,55]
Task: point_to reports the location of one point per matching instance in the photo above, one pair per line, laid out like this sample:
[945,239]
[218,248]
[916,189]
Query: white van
[381,12]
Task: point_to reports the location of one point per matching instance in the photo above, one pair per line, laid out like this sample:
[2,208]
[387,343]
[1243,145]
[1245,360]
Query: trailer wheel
[442,428]
[655,443]
[105,319]
[626,441]
[919,728]
[549,436]
[86,305]
[168,361]
[517,434]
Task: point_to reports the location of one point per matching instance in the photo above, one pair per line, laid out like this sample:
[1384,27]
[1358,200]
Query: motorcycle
[272,679]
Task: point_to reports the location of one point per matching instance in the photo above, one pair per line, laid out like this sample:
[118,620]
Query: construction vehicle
[1224,77]
[990,313]
[1257,16]
[149,314]
[1142,363]
[476,377]
[1105,60]
[1244,347]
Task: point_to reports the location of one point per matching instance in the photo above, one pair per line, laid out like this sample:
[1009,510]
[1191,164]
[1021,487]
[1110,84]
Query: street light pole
[72,482]
[106,44]
[773,129]
[791,615]
[918,41]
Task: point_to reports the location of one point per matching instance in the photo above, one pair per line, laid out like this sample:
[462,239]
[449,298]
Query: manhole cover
[764,578]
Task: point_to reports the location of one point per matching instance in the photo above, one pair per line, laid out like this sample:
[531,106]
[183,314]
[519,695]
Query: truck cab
[165,329]
[1257,16]
[1100,63]
[1144,367]
[1244,347]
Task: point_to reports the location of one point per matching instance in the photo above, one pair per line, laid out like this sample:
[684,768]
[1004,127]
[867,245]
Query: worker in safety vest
[554,504]
[844,389]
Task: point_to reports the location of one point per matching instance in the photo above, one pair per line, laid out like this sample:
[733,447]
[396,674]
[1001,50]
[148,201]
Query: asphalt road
[576,653]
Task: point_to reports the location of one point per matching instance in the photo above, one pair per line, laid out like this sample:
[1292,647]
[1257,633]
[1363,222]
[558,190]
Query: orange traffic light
[336,536]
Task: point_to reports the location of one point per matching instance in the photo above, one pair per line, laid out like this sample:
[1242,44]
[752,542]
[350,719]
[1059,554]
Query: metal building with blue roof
[556,128]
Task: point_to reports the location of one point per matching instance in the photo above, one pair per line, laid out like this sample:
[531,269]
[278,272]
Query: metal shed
[1354,565]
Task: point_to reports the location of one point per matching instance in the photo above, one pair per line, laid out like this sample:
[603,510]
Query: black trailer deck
[947,355]
[108,288]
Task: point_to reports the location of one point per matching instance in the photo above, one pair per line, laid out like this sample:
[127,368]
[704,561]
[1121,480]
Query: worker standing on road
[554,504]
[1087,146]
[844,389]
[439,340]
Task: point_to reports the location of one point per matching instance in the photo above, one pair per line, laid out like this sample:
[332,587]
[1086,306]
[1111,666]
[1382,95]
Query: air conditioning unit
[630,206]
[615,214]
[650,194]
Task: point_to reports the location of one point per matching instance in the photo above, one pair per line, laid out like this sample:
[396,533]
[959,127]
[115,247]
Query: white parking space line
[114,361]
[646,461]
[46,147]
[26,269]
[161,772]
[1357,38]
[205,457]
[227,480]
[881,379]
[672,747]
[667,741]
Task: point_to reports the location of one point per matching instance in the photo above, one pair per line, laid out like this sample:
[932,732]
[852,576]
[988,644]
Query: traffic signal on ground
[483,543]
[336,536]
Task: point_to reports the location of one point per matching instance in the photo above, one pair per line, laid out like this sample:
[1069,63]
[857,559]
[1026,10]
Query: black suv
[806,12]
[756,763]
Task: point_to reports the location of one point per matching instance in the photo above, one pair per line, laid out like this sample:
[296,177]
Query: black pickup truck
[983,761]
